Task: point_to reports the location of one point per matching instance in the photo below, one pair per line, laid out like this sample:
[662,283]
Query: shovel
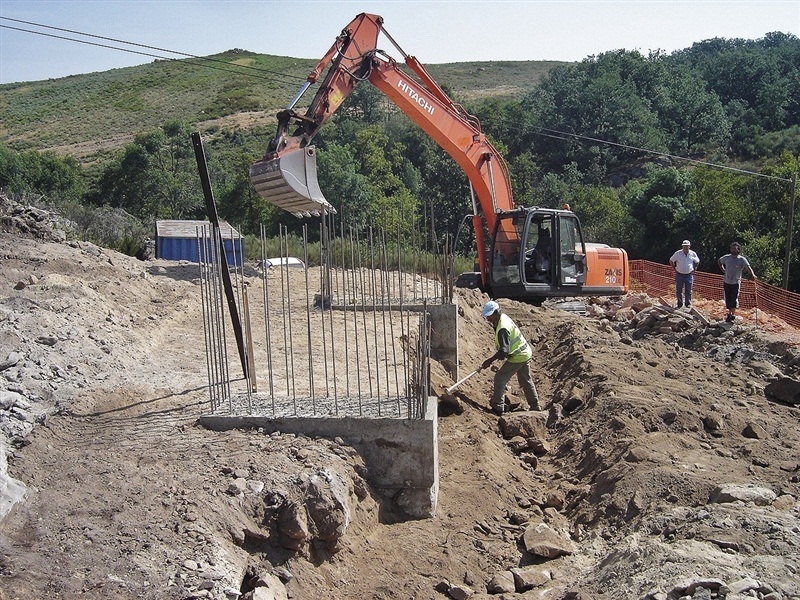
[460,381]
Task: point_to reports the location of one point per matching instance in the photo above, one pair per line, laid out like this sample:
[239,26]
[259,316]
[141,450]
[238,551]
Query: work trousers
[503,376]
[683,288]
[731,295]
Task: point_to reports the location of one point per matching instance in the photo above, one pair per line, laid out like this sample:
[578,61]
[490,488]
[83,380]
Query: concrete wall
[401,455]
[444,336]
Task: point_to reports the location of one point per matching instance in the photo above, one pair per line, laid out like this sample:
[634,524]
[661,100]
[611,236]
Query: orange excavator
[531,254]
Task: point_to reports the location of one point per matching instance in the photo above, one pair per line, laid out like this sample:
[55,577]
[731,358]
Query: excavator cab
[537,253]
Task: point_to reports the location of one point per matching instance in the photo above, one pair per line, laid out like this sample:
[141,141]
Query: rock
[530,577]
[11,360]
[784,502]
[293,525]
[754,431]
[524,424]
[744,493]
[554,499]
[237,486]
[255,487]
[784,389]
[460,592]
[744,585]
[713,422]
[269,587]
[517,444]
[690,588]
[541,540]
[9,399]
[502,583]
[328,505]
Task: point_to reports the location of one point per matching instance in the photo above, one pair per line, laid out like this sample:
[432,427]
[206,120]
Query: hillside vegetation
[86,115]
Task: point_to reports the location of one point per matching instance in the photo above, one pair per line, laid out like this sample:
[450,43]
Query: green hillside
[82,115]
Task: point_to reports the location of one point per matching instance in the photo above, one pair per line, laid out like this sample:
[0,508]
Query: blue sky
[433,31]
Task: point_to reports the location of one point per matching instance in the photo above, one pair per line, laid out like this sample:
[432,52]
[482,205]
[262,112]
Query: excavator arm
[287,174]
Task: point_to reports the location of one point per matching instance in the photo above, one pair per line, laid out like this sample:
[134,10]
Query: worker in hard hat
[516,351]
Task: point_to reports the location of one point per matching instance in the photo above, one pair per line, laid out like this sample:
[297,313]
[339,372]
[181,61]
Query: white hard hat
[490,308]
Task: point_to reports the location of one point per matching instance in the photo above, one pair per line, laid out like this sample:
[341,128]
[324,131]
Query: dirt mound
[659,468]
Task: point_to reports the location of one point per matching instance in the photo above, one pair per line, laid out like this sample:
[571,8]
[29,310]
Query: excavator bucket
[290,182]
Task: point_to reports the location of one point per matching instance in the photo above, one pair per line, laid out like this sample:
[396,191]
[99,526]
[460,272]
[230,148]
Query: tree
[155,177]
[690,114]
[658,204]
[46,176]
[715,212]
[599,101]
[345,188]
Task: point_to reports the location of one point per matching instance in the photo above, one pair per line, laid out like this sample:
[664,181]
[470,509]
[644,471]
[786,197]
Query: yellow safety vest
[519,351]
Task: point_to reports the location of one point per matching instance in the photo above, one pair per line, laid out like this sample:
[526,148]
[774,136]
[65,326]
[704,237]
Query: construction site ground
[664,468]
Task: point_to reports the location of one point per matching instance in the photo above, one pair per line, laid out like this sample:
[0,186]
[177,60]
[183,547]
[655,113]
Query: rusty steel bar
[267,326]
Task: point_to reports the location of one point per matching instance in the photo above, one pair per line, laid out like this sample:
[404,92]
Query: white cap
[490,308]
[686,243]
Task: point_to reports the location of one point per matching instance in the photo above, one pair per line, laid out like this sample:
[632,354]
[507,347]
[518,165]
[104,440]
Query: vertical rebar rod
[322,302]
[347,303]
[221,330]
[211,271]
[249,381]
[399,264]
[205,316]
[434,253]
[374,292]
[355,323]
[287,290]
[423,282]
[414,265]
[267,326]
[383,273]
[391,332]
[364,316]
[410,369]
[308,324]
[286,339]
[329,226]
[403,335]
[244,309]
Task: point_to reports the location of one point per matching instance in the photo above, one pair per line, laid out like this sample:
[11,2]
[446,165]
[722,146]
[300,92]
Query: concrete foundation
[444,336]
[401,455]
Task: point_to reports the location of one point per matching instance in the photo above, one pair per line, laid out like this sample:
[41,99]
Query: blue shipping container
[177,240]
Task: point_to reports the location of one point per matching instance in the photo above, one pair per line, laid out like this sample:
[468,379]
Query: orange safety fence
[659,280]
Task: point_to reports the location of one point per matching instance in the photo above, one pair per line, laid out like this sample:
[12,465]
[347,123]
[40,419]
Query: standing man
[732,265]
[685,262]
[511,346]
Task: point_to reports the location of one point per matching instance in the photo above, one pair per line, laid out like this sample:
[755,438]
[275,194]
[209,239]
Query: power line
[561,135]
[257,70]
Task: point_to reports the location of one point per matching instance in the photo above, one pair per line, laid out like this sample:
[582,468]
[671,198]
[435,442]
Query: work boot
[498,410]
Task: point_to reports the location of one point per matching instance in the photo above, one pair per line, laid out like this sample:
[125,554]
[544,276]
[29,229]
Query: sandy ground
[126,497]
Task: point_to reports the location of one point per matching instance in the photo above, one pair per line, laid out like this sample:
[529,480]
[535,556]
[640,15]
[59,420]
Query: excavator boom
[287,175]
